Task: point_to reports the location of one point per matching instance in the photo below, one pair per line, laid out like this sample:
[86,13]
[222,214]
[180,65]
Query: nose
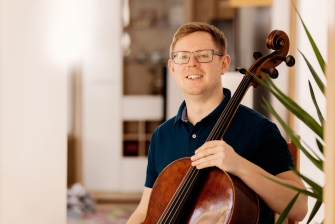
[193,61]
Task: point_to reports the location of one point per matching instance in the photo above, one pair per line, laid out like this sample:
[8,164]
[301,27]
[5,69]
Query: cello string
[225,114]
[186,187]
[179,191]
[166,213]
[223,120]
[171,208]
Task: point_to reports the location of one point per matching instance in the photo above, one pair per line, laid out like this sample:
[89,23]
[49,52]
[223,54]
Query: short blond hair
[219,39]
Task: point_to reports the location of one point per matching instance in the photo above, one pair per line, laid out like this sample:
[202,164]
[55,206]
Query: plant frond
[287,210]
[320,145]
[316,188]
[315,103]
[288,130]
[292,106]
[314,74]
[316,208]
[315,48]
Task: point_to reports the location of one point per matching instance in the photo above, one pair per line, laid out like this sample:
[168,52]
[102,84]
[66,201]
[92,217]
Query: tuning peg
[257,55]
[241,70]
[289,60]
[273,73]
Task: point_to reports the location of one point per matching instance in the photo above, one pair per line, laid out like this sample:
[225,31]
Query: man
[252,146]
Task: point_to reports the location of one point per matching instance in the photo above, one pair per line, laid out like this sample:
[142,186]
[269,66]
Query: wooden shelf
[143,79]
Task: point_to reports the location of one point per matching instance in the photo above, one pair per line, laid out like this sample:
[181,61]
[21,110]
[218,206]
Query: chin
[195,92]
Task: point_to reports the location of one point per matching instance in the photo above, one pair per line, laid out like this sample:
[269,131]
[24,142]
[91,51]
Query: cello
[184,194]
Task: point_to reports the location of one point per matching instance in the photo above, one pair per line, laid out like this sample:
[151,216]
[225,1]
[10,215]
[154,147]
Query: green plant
[315,190]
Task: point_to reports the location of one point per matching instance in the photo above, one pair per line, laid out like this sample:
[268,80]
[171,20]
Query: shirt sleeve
[272,153]
[151,174]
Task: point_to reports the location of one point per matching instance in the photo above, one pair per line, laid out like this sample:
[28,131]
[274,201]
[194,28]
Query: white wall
[102,97]
[280,17]
[33,116]
[314,14]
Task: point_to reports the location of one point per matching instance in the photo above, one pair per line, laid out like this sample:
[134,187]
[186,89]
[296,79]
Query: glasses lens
[204,56]
[181,57]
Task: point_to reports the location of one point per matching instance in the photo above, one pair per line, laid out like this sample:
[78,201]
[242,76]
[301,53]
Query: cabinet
[141,115]
[136,137]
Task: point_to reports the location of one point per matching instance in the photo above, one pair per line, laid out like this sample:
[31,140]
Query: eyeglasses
[202,56]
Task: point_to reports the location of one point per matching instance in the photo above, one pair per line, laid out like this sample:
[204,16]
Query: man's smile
[194,76]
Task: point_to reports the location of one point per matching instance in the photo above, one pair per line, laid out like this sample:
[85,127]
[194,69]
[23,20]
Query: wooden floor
[109,205]
[107,213]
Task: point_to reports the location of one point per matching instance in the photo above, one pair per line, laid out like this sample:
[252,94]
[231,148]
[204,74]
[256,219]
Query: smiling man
[252,146]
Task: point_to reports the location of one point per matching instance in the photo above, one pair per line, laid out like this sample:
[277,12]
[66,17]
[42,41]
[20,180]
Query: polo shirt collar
[182,112]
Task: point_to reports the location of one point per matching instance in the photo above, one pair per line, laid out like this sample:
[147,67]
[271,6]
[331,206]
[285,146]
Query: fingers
[209,154]
[209,148]
[208,161]
[210,144]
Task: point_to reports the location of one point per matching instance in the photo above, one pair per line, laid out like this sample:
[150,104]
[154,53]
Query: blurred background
[85,83]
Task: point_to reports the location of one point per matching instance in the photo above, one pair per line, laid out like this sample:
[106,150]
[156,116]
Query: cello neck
[228,113]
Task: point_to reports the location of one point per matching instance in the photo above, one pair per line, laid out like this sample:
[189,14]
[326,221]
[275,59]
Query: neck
[199,107]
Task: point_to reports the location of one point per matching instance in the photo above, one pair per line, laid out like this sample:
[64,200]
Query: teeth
[194,76]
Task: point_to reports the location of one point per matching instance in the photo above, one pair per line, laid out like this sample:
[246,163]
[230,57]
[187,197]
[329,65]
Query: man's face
[196,78]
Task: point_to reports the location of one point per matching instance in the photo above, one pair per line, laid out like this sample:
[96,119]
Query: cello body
[217,197]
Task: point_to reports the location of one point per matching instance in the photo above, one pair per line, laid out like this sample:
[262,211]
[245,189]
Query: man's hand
[217,153]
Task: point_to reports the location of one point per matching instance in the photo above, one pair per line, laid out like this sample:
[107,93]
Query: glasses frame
[214,52]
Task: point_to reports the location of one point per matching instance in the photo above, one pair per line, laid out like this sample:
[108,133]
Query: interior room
[84,84]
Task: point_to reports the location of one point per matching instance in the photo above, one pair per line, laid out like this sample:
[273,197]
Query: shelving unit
[136,137]
[141,116]
[151,28]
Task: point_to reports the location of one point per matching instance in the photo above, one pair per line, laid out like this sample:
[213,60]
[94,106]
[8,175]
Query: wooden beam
[329,166]
[1,160]
[77,121]
[293,52]
[189,8]
[243,3]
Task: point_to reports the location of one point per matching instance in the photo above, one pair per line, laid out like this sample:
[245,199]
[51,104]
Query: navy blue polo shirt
[250,134]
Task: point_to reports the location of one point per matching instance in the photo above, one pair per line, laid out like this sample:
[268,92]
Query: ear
[225,64]
[171,66]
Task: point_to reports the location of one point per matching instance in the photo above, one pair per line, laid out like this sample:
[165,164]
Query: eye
[183,56]
[203,54]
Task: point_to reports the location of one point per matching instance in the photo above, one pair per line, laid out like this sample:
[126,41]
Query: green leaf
[310,149]
[287,210]
[317,189]
[292,106]
[320,145]
[316,162]
[315,48]
[297,110]
[316,208]
[314,74]
[300,190]
[315,103]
